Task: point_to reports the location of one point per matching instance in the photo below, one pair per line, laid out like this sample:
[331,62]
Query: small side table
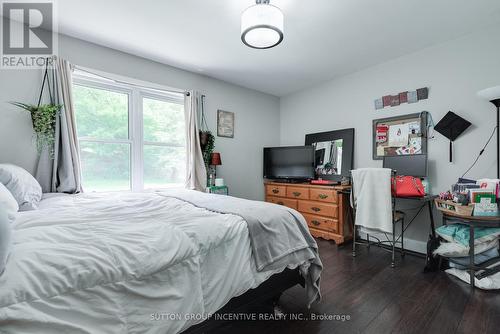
[471,222]
[221,190]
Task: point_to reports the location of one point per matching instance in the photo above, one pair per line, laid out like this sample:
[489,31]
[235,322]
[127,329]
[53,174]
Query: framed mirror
[334,153]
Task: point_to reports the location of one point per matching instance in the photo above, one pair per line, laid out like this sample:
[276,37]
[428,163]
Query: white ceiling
[323,38]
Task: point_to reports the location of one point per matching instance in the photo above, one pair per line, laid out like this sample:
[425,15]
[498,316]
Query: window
[131,138]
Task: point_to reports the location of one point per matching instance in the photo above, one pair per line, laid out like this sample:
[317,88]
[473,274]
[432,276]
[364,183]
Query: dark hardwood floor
[381,299]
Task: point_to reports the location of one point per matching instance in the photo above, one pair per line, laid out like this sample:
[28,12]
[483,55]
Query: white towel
[372,197]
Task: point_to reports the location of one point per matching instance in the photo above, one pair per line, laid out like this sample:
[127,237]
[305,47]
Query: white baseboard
[410,244]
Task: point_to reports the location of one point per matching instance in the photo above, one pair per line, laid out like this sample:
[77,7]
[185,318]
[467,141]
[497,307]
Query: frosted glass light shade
[490,94]
[262,26]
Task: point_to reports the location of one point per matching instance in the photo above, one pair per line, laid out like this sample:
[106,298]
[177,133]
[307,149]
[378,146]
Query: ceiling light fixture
[262,25]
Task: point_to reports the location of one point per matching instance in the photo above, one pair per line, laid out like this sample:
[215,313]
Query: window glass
[105,166]
[100,113]
[163,122]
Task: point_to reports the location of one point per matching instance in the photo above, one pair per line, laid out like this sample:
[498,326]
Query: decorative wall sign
[225,124]
[400,135]
[403,97]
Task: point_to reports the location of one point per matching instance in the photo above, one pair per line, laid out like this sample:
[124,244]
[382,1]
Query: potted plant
[207,143]
[44,124]
[207,139]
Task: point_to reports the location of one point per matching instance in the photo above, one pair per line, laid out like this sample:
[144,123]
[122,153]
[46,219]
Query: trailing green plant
[207,143]
[44,123]
[207,139]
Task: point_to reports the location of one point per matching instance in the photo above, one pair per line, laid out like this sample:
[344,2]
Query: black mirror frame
[347,135]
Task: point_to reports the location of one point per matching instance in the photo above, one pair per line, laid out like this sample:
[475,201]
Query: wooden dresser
[323,207]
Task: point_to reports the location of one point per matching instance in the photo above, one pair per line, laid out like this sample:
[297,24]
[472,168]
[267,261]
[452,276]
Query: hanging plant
[44,124]
[204,138]
[207,139]
[208,147]
[44,116]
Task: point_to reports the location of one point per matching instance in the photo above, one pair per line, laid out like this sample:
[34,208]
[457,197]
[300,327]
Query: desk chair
[397,217]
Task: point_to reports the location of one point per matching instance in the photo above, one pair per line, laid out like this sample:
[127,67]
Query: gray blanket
[279,235]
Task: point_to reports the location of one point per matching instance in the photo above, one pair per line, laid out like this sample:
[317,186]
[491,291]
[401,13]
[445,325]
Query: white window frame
[136,94]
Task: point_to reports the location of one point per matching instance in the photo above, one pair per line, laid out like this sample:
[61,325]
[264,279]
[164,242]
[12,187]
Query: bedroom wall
[256,114]
[454,72]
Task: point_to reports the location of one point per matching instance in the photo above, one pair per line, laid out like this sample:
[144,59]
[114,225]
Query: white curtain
[196,173]
[62,172]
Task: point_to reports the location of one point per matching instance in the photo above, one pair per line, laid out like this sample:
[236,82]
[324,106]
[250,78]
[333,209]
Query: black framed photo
[400,135]
[225,124]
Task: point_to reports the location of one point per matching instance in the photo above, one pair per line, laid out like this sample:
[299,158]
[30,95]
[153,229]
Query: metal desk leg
[431,216]
[471,257]
[353,239]
[403,238]
[393,243]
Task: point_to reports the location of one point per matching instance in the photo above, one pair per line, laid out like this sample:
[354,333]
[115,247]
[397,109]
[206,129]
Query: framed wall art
[400,135]
[225,124]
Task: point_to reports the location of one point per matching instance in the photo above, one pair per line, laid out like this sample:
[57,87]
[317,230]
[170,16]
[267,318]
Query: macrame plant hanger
[204,132]
[46,80]
[203,125]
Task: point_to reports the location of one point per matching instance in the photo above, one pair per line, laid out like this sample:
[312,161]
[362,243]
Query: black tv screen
[290,162]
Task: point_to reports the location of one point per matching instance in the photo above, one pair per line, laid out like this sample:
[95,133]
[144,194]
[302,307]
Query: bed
[144,262]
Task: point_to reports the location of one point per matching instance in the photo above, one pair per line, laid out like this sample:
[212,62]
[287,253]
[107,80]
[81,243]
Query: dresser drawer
[322,223]
[273,190]
[297,192]
[318,208]
[291,203]
[323,195]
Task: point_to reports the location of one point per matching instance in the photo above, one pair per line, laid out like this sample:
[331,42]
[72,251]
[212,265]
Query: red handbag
[407,186]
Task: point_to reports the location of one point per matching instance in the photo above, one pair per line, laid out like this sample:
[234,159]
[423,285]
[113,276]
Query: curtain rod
[131,84]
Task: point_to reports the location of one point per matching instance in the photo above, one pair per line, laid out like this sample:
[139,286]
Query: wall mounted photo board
[225,124]
[400,135]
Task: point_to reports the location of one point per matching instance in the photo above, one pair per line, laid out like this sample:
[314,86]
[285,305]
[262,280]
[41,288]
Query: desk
[427,200]
[475,221]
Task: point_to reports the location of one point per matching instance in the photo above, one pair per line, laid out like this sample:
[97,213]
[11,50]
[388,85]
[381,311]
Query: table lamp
[215,160]
[493,95]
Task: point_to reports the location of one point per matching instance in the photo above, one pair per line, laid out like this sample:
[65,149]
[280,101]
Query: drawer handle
[280,203]
[315,222]
[315,209]
[323,196]
[275,191]
[296,194]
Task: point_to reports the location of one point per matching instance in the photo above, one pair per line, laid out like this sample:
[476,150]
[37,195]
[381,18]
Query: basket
[454,208]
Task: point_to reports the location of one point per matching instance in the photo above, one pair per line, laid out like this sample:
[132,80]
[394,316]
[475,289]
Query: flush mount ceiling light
[262,25]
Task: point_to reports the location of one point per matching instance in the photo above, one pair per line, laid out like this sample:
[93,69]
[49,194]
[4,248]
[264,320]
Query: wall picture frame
[225,124]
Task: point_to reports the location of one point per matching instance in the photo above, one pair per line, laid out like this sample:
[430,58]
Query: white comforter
[122,263]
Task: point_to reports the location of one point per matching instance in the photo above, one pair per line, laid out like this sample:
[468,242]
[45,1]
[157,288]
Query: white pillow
[454,249]
[22,185]
[5,238]
[487,283]
[7,201]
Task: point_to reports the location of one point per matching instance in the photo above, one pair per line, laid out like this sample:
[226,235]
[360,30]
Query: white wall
[256,124]
[453,71]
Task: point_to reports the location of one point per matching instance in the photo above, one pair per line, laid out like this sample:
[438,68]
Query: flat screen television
[289,163]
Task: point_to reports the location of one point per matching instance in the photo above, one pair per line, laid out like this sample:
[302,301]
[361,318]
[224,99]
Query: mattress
[123,263]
